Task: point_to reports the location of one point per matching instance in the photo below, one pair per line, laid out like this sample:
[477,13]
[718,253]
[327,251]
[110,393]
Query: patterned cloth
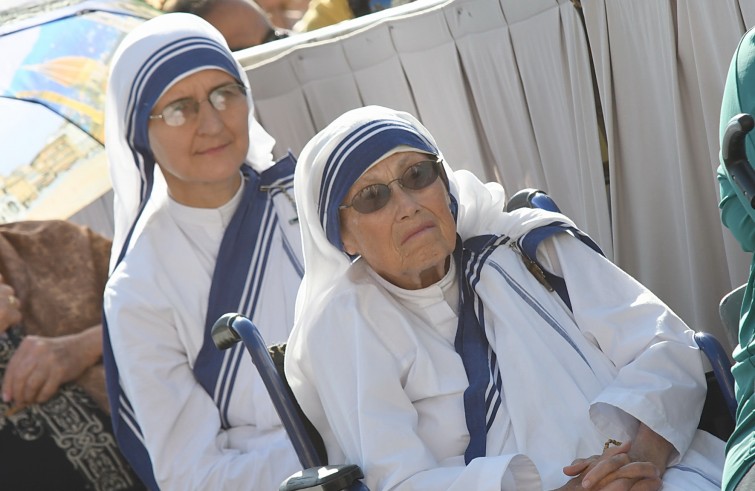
[58,271]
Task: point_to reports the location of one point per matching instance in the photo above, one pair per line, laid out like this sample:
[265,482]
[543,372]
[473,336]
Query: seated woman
[426,352]
[739,217]
[55,428]
[204,225]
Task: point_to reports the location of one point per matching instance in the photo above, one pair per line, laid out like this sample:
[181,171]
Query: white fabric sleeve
[661,379]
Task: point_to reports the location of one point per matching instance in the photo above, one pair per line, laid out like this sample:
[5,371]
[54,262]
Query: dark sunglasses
[375,196]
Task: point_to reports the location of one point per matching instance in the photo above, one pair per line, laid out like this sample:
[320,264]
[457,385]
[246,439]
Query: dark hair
[196,7]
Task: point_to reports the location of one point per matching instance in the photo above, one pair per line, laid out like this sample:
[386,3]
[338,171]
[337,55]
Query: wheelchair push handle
[223,334]
[232,328]
[531,198]
[734,155]
[326,478]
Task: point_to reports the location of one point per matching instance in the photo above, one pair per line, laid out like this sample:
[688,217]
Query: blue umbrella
[55,57]
[59,59]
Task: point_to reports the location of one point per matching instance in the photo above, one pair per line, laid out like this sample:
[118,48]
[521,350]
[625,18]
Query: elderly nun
[204,225]
[426,352]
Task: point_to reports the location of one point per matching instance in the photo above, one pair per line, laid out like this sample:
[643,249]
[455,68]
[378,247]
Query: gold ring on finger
[610,442]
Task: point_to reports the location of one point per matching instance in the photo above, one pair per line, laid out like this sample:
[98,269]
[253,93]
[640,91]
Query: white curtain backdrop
[660,67]
[506,87]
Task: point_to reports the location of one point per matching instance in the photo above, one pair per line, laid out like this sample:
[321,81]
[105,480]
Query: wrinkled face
[409,240]
[201,158]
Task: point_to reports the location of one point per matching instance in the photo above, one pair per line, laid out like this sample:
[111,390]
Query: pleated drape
[505,88]
[661,67]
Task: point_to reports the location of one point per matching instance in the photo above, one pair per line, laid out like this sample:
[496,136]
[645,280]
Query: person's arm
[42,364]
[649,446]
[660,378]
[150,333]
[736,213]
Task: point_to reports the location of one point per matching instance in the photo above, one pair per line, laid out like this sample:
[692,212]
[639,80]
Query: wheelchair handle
[531,198]
[231,328]
[734,155]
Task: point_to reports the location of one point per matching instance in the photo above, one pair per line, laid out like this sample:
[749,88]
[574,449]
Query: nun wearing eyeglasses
[204,225]
[426,352]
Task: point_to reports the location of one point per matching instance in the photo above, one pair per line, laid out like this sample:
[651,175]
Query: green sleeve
[736,214]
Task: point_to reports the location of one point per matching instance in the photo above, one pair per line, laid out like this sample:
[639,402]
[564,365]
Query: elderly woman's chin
[418,262]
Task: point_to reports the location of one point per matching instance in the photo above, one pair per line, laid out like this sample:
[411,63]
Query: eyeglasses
[375,196]
[221,98]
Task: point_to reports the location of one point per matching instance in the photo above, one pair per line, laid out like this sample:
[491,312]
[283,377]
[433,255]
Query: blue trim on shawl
[482,398]
[126,430]
[538,308]
[478,250]
[284,185]
[239,273]
[493,400]
[355,154]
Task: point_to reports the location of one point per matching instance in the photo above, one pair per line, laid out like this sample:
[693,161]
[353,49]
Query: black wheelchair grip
[734,155]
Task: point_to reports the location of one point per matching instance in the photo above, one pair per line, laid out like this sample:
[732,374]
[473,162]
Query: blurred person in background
[322,13]
[55,430]
[243,23]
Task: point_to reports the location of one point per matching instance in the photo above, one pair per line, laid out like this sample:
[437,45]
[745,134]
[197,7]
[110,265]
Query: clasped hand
[40,365]
[613,470]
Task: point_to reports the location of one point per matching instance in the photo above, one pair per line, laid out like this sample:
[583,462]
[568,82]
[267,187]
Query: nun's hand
[613,470]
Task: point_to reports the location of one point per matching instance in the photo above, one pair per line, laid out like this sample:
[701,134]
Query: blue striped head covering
[150,60]
[328,166]
[359,149]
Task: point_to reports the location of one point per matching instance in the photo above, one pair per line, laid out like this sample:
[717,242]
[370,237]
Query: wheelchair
[318,475]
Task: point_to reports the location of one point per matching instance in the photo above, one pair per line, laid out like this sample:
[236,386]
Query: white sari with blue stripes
[490,383]
[203,414]
[574,378]
[187,415]
[558,391]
